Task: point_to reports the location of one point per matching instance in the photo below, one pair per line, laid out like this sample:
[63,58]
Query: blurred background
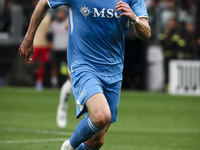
[175,36]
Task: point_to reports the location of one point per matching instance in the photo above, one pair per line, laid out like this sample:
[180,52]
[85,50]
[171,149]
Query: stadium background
[174,27]
[146,120]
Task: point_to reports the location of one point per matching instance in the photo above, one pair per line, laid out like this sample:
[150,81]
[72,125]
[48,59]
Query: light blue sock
[84,131]
[84,146]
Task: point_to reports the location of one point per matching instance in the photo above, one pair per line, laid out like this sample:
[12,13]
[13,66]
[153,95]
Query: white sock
[65,93]
[54,81]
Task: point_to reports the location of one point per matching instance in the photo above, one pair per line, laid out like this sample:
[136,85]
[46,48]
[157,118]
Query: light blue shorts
[88,83]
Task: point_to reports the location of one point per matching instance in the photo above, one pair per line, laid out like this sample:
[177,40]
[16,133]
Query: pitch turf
[146,121]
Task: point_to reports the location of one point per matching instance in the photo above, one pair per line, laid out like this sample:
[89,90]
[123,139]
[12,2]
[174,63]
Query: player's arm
[141,25]
[66,24]
[26,49]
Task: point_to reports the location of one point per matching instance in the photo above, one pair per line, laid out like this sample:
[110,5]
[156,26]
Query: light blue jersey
[97,34]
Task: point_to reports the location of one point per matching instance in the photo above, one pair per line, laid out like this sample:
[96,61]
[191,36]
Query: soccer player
[59,45]
[42,50]
[95,57]
[59,30]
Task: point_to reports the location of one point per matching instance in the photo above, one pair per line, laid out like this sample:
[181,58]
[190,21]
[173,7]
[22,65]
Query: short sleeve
[57,3]
[139,8]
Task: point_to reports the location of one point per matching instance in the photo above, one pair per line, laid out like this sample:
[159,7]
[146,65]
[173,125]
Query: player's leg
[99,116]
[54,68]
[95,142]
[112,94]
[40,76]
[99,110]
[43,55]
[66,89]
[65,94]
[40,69]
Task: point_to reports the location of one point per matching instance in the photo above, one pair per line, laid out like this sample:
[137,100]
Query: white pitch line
[70,133]
[165,130]
[32,141]
[37,131]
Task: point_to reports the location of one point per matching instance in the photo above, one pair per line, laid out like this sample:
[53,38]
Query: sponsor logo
[103,13]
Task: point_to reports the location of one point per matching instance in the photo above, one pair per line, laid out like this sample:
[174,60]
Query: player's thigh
[98,109]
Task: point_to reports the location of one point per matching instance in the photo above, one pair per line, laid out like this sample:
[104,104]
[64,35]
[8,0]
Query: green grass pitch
[146,121]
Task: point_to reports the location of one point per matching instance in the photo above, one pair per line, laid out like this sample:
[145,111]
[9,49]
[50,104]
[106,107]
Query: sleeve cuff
[143,17]
[49,3]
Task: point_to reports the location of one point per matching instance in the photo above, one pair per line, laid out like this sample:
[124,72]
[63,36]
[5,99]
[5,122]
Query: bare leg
[54,75]
[98,119]
[99,110]
[97,141]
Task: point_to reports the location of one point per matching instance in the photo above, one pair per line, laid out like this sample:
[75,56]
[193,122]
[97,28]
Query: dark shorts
[58,56]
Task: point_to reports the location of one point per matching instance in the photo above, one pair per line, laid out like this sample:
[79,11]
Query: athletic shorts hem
[85,100]
[113,120]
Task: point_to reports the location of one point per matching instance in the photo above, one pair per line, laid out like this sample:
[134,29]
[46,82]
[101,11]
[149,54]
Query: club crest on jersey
[103,13]
[85,11]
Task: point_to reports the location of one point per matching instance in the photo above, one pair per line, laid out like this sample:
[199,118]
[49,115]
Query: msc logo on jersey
[85,11]
[103,13]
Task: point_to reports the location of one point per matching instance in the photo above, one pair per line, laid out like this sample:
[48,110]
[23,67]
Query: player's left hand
[126,10]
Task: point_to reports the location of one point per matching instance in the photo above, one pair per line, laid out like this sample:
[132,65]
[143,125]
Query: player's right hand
[26,50]
[126,10]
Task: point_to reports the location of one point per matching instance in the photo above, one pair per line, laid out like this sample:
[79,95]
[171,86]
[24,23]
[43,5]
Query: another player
[59,32]
[59,45]
[42,50]
[95,58]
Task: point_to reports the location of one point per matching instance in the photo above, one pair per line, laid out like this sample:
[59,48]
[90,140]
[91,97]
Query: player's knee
[102,119]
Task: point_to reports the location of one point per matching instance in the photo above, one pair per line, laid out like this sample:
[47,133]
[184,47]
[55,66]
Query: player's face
[61,15]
